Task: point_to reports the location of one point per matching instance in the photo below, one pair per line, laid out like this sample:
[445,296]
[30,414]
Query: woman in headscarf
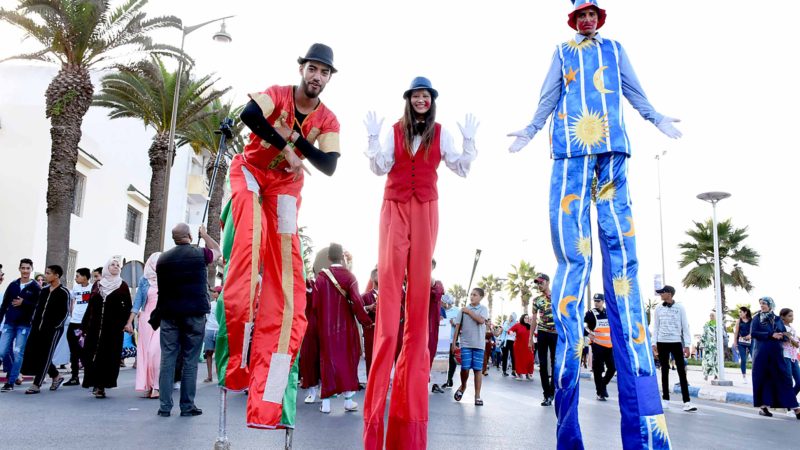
[148,353]
[104,322]
[709,341]
[523,356]
[772,381]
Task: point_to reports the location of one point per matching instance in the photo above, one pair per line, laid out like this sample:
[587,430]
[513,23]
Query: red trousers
[265,205]
[407,239]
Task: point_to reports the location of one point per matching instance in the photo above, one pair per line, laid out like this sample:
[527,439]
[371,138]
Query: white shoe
[312,395]
[325,408]
[177,385]
[350,405]
[688,407]
[665,404]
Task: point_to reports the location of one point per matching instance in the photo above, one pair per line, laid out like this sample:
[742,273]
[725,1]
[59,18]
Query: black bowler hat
[421,83]
[320,53]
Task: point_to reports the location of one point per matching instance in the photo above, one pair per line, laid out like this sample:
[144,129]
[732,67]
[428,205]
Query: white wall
[120,145]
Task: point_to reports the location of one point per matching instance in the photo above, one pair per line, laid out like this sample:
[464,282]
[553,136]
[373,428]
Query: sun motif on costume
[584,246]
[607,192]
[658,426]
[590,129]
[577,350]
[575,47]
[622,286]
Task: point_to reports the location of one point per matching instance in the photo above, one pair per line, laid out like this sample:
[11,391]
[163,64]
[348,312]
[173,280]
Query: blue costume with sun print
[588,139]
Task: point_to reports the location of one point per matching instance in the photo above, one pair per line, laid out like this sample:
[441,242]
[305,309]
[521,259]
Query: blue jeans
[180,338]
[743,350]
[12,345]
[794,369]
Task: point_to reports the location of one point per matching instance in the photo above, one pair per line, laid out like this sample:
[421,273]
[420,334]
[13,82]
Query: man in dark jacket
[52,312]
[19,302]
[182,306]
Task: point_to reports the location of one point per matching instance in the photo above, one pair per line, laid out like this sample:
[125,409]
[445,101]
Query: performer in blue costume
[583,92]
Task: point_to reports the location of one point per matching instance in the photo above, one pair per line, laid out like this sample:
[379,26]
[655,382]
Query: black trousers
[546,344]
[674,349]
[508,351]
[451,368]
[75,350]
[602,358]
[52,372]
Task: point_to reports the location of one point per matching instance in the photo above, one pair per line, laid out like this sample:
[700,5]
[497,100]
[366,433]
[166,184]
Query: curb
[716,395]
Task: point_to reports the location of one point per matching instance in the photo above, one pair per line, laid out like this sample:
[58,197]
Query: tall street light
[714,198]
[660,216]
[220,36]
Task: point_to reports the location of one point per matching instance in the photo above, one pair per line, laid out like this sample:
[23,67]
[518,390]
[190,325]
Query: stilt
[289,435]
[222,442]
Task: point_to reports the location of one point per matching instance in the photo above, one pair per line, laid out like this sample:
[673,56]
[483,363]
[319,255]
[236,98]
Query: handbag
[155,319]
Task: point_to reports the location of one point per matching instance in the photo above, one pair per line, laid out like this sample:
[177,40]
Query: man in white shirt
[80,300]
[672,337]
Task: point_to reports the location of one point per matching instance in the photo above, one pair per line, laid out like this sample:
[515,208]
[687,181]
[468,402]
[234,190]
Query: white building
[112,191]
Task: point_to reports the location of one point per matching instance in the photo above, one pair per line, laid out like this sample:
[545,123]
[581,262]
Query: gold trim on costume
[287,283]
[329,142]
[264,102]
[254,253]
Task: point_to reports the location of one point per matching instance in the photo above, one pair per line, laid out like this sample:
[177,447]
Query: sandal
[100,393]
[154,394]
[459,393]
[763,412]
[33,390]
[56,383]
[478,402]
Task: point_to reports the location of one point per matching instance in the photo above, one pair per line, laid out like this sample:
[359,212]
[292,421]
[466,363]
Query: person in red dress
[338,304]
[309,349]
[370,300]
[523,356]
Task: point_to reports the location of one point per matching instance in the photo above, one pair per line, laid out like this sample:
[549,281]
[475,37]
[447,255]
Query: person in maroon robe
[370,300]
[309,350]
[338,305]
[434,317]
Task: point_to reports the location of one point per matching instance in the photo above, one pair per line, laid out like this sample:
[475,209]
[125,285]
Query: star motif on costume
[570,76]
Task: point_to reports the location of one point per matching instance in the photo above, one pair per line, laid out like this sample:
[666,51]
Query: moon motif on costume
[599,83]
[566,201]
[562,305]
[631,232]
[641,336]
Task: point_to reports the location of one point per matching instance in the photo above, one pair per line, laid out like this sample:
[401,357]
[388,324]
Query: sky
[720,68]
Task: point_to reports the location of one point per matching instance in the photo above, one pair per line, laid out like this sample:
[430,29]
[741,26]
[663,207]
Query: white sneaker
[665,404]
[688,407]
[325,408]
[350,405]
[177,385]
[312,395]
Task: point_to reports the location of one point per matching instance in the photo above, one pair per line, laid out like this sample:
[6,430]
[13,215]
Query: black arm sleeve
[324,162]
[253,117]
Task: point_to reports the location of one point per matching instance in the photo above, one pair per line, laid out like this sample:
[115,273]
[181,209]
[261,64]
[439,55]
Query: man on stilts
[287,123]
[583,92]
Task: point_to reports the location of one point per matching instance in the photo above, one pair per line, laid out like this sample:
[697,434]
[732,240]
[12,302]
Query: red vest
[413,175]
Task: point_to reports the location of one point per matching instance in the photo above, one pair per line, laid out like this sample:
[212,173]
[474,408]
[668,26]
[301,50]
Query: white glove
[372,124]
[666,127]
[469,128]
[521,140]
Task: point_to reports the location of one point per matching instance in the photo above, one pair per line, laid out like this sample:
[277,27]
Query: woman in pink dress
[148,353]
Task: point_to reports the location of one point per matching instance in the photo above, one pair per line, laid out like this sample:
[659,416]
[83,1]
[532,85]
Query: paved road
[510,419]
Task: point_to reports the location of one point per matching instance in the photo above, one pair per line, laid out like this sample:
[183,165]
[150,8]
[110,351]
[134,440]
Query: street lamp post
[660,216]
[714,198]
[220,36]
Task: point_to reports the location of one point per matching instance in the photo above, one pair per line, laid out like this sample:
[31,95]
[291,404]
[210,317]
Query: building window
[71,268]
[133,225]
[80,190]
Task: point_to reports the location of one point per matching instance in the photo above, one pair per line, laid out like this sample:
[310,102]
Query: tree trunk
[215,207]
[158,164]
[722,299]
[68,97]
[489,299]
[525,301]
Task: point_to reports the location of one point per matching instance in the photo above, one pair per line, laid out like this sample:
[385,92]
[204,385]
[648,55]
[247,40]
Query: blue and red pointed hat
[583,4]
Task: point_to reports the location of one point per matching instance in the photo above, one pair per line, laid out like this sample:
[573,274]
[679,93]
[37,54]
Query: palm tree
[458,293]
[203,135]
[78,35]
[145,92]
[490,285]
[732,252]
[519,283]
[308,249]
